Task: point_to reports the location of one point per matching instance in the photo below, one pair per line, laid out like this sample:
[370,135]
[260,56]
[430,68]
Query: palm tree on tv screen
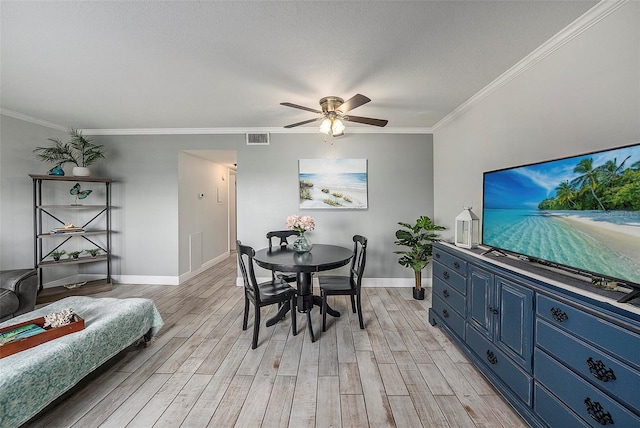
[565,194]
[588,179]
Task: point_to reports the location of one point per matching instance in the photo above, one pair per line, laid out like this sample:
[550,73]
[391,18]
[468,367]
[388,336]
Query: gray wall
[17,141]
[585,96]
[203,221]
[400,189]
[150,239]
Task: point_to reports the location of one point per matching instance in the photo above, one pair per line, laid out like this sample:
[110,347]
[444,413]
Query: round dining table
[322,257]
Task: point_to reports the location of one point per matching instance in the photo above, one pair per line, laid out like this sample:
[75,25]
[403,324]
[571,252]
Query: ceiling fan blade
[304,122]
[301,107]
[366,120]
[356,101]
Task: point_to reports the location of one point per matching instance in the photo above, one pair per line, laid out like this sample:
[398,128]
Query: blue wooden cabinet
[559,352]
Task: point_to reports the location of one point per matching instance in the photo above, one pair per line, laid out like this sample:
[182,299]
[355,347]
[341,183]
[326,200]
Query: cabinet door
[514,332]
[480,297]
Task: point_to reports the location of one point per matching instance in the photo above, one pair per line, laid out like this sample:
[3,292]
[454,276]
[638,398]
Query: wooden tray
[29,342]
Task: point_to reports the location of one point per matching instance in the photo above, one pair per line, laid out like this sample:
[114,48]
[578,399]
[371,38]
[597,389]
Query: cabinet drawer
[449,316]
[596,366]
[591,404]
[552,411]
[605,335]
[450,277]
[452,262]
[449,295]
[508,371]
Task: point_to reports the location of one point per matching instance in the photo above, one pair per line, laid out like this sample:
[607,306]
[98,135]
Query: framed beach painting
[333,183]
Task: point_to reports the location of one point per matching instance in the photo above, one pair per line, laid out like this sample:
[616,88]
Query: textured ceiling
[132,65]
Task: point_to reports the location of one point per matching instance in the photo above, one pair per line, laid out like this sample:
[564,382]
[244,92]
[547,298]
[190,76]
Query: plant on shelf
[418,238]
[93,252]
[57,254]
[74,254]
[79,151]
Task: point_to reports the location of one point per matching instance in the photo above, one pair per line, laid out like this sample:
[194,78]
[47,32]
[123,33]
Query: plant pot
[56,258]
[81,171]
[418,291]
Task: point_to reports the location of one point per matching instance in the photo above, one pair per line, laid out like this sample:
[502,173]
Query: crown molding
[31,119]
[208,131]
[577,27]
[222,131]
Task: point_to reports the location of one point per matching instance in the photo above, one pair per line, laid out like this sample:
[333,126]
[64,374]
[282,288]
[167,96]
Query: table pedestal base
[306,302]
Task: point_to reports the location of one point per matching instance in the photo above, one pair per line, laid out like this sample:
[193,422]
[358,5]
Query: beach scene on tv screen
[582,212]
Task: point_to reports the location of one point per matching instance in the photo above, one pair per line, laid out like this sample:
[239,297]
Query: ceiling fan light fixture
[325,126]
[337,128]
[333,114]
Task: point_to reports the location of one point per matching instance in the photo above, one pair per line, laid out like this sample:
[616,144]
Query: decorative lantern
[467,233]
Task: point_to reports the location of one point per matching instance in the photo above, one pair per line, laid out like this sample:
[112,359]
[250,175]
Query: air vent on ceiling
[258,139]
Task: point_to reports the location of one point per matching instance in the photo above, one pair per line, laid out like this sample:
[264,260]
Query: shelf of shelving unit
[41,261]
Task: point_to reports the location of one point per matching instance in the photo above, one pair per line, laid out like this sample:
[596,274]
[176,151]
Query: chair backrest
[358,261]
[283,235]
[245,260]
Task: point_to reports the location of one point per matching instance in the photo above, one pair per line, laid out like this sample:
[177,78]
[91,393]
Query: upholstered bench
[32,379]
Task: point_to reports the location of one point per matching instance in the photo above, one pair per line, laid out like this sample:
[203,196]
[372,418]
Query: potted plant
[93,251]
[418,238]
[79,151]
[74,254]
[57,254]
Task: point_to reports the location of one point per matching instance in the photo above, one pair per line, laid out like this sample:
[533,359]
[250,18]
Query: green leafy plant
[57,254]
[73,254]
[418,238]
[79,151]
[93,251]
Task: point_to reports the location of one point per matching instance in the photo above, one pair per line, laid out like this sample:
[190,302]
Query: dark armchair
[18,292]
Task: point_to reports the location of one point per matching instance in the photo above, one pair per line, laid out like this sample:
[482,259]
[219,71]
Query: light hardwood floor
[200,370]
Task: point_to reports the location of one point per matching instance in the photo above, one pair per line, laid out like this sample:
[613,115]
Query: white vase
[81,171]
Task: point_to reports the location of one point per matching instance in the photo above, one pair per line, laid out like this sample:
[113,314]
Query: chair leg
[246,313]
[313,338]
[256,328]
[324,310]
[294,327]
[353,304]
[359,299]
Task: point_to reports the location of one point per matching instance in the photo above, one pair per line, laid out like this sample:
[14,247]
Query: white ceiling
[228,64]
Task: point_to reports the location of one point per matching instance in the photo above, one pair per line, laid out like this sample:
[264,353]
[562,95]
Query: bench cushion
[32,379]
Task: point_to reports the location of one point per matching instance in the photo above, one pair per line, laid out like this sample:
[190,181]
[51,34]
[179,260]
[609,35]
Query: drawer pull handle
[456,265]
[597,413]
[492,310]
[445,313]
[559,315]
[437,255]
[445,293]
[491,357]
[600,371]
[446,275]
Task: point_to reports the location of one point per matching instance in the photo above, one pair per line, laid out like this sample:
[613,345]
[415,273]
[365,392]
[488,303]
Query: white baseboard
[366,282]
[222,257]
[168,280]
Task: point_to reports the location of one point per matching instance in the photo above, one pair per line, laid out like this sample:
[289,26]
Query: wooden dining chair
[346,285]
[262,294]
[283,236]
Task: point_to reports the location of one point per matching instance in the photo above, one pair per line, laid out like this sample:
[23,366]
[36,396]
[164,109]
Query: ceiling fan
[333,114]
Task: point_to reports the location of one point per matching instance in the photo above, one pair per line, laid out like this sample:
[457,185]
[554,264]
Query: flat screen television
[580,213]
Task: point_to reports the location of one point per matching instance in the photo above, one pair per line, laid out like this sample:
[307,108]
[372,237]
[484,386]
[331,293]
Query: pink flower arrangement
[301,224]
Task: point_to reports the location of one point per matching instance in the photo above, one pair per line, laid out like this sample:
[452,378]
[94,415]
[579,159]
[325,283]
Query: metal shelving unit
[99,236]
